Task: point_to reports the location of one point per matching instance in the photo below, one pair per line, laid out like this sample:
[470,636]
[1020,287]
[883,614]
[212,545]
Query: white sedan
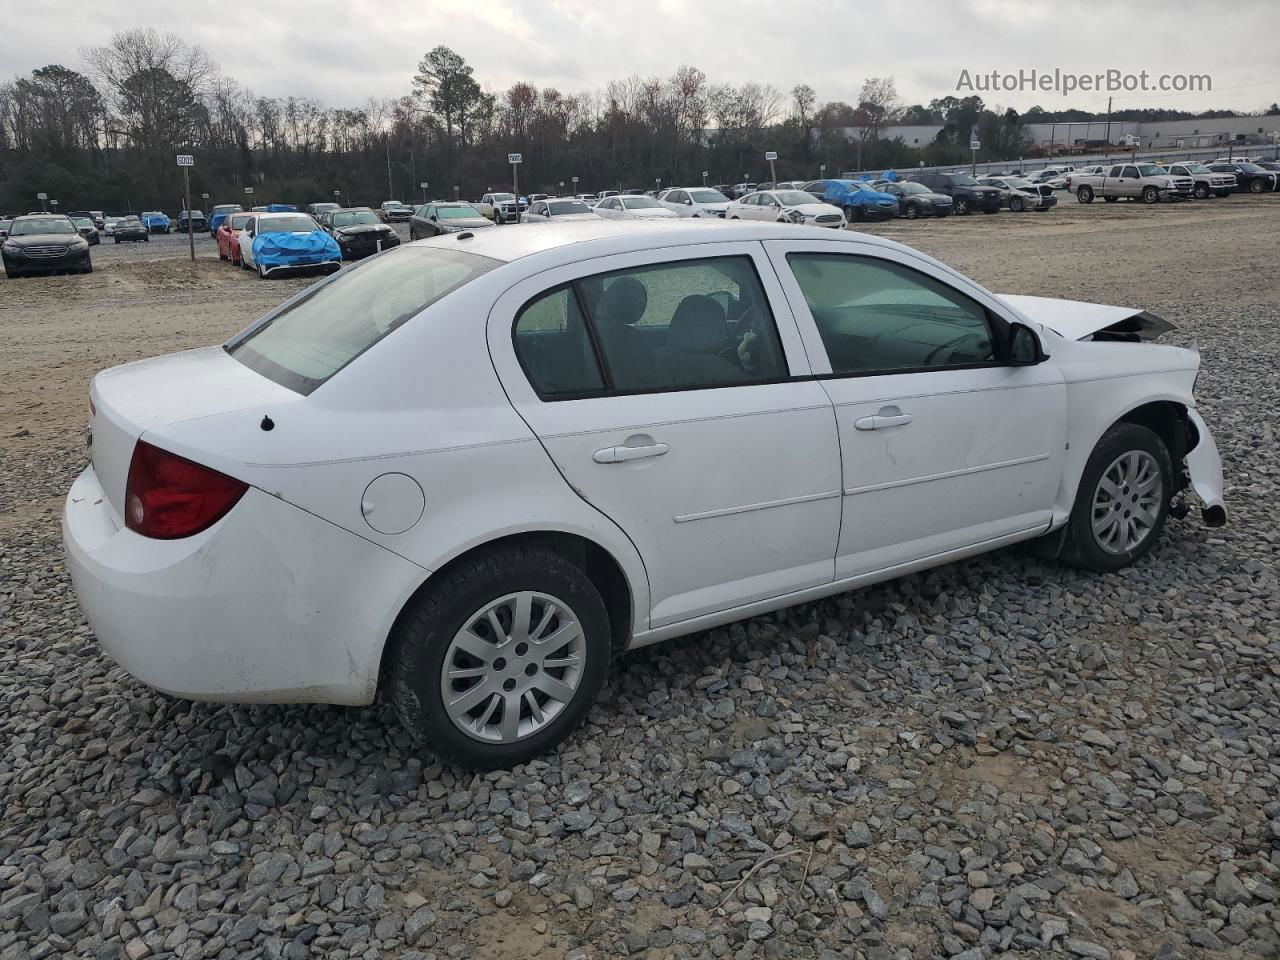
[477,467]
[633,208]
[700,202]
[786,206]
[557,210]
[268,223]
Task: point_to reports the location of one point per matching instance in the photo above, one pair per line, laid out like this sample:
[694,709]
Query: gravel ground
[998,757]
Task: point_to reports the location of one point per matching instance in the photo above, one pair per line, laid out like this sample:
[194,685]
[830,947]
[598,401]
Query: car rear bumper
[270,604]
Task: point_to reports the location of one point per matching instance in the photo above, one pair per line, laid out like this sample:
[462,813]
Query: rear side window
[876,316]
[554,347]
[309,341]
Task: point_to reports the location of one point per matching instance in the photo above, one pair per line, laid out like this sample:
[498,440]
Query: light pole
[658,181]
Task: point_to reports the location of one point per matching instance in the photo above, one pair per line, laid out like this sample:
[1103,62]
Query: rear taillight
[167,496]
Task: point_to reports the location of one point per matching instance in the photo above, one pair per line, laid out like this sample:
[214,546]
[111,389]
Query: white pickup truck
[499,207]
[1207,182]
[1147,182]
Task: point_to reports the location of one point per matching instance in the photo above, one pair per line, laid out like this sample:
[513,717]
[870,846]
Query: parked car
[696,202]
[44,244]
[499,207]
[478,515]
[740,190]
[1250,178]
[1271,166]
[1017,194]
[4,227]
[856,199]
[360,233]
[228,235]
[393,211]
[98,219]
[965,192]
[1147,182]
[109,226]
[86,229]
[198,221]
[786,206]
[85,215]
[1206,182]
[558,211]
[130,229]
[916,200]
[1054,179]
[633,208]
[220,213]
[318,210]
[434,219]
[275,242]
[156,221]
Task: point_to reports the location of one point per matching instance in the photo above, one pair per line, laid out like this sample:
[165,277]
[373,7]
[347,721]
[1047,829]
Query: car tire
[1255,186]
[1150,195]
[1201,191]
[913,212]
[961,207]
[1016,205]
[1126,454]
[455,607]
[853,214]
[1085,194]
[117,239]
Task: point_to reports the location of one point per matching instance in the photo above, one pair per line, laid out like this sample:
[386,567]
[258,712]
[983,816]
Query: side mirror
[1024,347]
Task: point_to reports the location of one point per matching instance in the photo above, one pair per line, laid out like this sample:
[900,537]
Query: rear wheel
[500,660]
[1122,501]
[1085,194]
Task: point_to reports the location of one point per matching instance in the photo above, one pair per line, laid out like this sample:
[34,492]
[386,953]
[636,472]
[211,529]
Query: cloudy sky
[344,52]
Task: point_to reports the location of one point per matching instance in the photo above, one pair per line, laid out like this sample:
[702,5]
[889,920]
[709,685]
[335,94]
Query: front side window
[1129,172]
[876,316]
[310,340]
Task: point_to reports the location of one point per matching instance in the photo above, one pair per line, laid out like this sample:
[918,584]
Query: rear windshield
[309,341]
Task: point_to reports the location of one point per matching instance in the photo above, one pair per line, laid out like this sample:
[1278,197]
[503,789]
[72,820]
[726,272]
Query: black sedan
[131,229]
[434,219]
[86,229]
[917,200]
[44,244]
[359,232]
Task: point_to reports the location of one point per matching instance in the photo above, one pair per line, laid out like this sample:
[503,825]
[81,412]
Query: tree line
[106,138]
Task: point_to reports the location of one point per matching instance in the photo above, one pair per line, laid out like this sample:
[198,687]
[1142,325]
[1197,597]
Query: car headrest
[623,303]
[698,325]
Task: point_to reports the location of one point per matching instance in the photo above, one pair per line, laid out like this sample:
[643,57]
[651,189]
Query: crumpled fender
[1204,467]
[284,249]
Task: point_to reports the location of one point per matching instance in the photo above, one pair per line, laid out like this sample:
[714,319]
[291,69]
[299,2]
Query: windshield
[1250,168]
[29,228]
[313,338]
[237,221]
[325,207]
[129,222]
[562,207]
[457,213]
[351,218]
[708,196]
[227,207]
[1151,170]
[83,222]
[910,187]
[639,203]
[393,205]
[285,224]
[152,213]
[503,196]
[963,180]
[793,198]
[1017,182]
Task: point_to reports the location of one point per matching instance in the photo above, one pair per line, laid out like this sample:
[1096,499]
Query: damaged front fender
[1204,467]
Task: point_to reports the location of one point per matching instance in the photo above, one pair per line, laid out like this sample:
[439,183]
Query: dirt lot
[999,757]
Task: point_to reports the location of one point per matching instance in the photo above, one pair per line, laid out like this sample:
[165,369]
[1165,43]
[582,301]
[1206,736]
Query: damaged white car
[471,470]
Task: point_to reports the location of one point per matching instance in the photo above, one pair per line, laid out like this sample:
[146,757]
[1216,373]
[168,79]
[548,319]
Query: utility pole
[1108,133]
[186,162]
[391,192]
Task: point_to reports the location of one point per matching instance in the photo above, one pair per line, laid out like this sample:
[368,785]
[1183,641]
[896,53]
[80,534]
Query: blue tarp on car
[155,221]
[295,249]
[282,208]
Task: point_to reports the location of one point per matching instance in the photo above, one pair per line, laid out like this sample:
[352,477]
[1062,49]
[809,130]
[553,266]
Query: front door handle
[879,422]
[623,454]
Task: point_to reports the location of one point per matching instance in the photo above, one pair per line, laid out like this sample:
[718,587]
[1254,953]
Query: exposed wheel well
[1168,421]
[597,563]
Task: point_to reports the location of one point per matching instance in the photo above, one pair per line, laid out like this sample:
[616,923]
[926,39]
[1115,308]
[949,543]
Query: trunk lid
[131,399]
[1078,321]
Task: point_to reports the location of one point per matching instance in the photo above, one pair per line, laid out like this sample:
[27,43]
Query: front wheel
[1255,186]
[1202,191]
[1150,195]
[961,207]
[1122,501]
[1016,205]
[498,661]
[913,211]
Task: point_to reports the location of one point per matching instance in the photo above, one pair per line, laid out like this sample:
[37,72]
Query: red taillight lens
[167,496]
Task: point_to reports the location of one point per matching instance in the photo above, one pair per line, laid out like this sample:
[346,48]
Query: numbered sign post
[974,147]
[186,161]
[42,197]
[424,186]
[705,174]
[771,156]
[515,160]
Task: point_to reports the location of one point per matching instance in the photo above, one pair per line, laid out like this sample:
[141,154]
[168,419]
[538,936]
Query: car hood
[815,209]
[43,239]
[465,223]
[1077,321]
[356,229]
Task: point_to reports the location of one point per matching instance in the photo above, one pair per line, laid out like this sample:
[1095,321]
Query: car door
[946,445]
[245,239]
[719,460]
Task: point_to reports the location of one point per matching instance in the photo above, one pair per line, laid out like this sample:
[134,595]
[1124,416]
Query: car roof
[607,237]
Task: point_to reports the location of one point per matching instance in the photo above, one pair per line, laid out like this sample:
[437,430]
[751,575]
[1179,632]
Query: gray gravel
[998,757]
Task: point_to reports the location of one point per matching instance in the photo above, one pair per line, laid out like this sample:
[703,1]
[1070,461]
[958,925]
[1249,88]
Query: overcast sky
[344,52]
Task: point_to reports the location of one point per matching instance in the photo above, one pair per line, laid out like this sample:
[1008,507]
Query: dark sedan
[917,200]
[1250,178]
[434,219]
[44,244]
[132,229]
[86,229]
[359,232]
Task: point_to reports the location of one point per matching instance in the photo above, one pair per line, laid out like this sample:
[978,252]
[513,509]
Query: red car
[228,237]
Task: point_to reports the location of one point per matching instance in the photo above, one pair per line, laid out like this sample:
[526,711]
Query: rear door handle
[623,454]
[880,423]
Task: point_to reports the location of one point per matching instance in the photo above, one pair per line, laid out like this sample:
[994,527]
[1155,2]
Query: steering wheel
[748,322]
